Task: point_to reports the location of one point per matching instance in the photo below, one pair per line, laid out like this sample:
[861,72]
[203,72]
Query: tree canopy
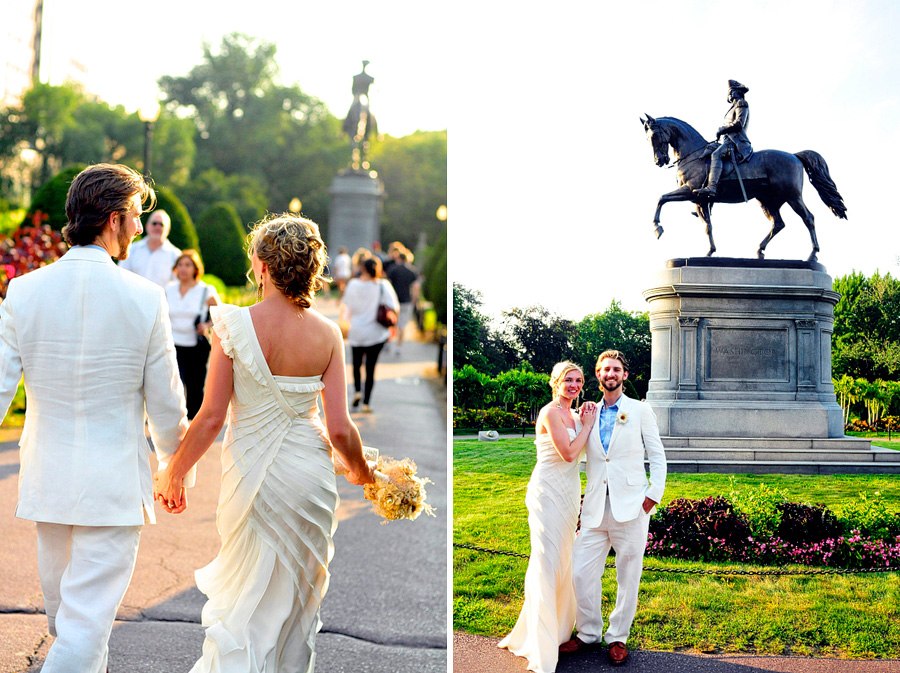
[229,131]
[866,341]
[538,338]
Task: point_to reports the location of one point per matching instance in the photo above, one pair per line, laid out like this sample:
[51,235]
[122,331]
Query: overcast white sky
[321,45]
[552,183]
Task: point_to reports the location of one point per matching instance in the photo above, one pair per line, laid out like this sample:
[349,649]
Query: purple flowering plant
[712,529]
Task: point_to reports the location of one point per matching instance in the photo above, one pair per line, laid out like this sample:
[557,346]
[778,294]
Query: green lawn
[834,615]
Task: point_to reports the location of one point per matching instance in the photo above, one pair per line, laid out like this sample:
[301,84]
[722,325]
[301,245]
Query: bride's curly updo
[294,252]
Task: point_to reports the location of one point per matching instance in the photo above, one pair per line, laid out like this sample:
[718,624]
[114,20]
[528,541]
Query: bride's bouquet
[397,492]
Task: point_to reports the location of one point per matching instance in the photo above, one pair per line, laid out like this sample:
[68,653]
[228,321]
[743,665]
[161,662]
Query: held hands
[169,492]
[588,414]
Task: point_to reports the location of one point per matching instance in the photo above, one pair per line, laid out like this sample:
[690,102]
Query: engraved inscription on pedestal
[747,354]
[746,351]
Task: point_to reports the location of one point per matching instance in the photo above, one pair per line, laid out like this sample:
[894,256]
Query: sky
[552,182]
[320,46]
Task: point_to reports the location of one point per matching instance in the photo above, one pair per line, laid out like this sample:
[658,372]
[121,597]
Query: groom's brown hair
[614,355]
[98,192]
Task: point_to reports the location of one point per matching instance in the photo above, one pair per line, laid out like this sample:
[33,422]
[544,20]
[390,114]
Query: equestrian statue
[730,171]
[360,123]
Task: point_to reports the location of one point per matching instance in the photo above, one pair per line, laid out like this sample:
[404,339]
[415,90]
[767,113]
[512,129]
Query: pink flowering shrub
[811,535]
[28,248]
[706,530]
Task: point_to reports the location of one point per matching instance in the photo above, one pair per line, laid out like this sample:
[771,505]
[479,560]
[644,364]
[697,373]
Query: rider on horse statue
[736,144]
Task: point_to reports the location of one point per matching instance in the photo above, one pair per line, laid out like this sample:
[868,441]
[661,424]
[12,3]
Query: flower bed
[29,248]
[760,526]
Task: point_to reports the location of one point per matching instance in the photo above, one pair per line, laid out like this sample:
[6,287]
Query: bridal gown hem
[548,612]
[275,517]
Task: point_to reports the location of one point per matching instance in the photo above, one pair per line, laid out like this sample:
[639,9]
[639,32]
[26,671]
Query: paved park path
[386,607]
[477,654]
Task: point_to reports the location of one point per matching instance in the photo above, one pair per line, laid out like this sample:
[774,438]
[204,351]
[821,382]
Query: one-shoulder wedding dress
[548,614]
[275,517]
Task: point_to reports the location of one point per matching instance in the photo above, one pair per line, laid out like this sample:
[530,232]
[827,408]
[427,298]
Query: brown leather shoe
[618,653]
[572,646]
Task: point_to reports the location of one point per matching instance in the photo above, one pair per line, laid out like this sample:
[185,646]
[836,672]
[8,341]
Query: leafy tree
[414,171]
[65,126]
[40,123]
[866,340]
[248,123]
[472,389]
[523,390]
[247,194]
[474,342]
[848,393]
[468,327]
[619,330]
[173,151]
[435,283]
[498,352]
[541,337]
[222,238]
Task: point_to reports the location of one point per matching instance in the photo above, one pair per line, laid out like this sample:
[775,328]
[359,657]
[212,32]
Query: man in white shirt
[95,348]
[153,257]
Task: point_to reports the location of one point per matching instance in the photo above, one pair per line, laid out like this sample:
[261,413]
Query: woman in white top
[189,301]
[367,336]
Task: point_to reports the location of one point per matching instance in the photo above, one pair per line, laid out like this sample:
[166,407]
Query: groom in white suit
[95,347]
[618,503]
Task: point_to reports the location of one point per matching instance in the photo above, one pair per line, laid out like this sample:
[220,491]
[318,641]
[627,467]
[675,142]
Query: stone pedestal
[742,349]
[354,217]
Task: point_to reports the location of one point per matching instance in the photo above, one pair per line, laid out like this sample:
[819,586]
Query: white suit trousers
[592,546]
[85,571]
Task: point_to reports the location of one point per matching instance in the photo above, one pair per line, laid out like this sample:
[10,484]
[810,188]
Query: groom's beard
[124,242]
[612,386]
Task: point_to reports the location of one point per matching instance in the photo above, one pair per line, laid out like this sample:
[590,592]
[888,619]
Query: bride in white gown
[269,364]
[553,497]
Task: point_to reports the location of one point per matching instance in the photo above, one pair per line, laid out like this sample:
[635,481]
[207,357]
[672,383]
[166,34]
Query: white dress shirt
[156,265]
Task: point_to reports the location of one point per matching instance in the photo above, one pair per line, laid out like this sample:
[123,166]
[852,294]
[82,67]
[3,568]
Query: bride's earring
[259,290]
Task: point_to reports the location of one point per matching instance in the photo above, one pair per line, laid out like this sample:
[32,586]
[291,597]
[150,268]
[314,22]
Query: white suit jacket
[94,344]
[621,469]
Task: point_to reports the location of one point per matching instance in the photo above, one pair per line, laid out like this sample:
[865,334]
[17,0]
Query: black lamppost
[148,114]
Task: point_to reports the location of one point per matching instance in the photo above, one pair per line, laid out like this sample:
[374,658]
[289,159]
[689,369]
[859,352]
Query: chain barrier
[703,571]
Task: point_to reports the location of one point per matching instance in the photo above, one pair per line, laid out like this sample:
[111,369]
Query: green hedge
[183,234]
[51,198]
[222,238]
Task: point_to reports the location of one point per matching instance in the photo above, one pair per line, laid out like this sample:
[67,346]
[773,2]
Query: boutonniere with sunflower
[622,418]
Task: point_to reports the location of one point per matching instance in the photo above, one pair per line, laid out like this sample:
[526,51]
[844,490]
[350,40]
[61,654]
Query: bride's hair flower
[622,417]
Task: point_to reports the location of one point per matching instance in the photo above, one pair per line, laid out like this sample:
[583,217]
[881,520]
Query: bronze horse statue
[771,177]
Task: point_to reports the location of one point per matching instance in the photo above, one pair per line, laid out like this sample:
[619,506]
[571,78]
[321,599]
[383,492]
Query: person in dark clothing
[405,280]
